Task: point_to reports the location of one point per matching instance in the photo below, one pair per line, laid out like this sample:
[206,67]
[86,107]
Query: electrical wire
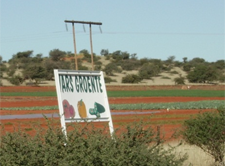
[60,34]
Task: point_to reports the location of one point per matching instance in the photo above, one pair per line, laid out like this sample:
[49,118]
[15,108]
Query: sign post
[82,97]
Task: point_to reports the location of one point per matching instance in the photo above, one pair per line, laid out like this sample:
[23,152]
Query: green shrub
[203,74]
[107,57]
[144,60]
[178,64]
[87,145]
[98,67]
[221,77]
[179,80]
[187,67]
[16,80]
[111,68]
[81,67]
[3,67]
[11,71]
[165,77]
[130,64]
[173,72]
[108,80]
[131,78]
[207,131]
[98,62]
[148,70]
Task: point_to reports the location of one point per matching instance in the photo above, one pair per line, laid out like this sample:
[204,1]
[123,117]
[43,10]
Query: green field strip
[207,104]
[168,93]
[153,116]
[149,122]
[148,93]
[36,94]
[30,108]
[153,119]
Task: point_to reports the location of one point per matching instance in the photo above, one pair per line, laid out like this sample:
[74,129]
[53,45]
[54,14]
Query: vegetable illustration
[68,110]
[71,111]
[97,110]
[82,109]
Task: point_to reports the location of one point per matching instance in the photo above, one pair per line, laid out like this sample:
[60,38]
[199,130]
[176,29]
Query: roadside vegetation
[87,145]
[133,144]
[207,131]
[34,69]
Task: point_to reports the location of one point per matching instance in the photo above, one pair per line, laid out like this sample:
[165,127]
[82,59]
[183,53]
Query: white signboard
[82,97]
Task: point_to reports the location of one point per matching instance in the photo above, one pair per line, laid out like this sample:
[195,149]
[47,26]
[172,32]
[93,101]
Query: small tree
[56,54]
[35,72]
[207,131]
[202,74]
[197,61]
[110,68]
[25,54]
[187,67]
[185,59]
[104,52]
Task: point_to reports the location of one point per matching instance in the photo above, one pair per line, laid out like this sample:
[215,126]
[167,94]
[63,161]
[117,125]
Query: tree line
[37,68]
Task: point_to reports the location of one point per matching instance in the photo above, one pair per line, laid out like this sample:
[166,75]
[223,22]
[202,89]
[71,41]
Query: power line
[60,34]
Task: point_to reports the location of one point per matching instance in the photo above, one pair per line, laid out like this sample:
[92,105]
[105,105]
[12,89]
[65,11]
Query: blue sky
[155,29]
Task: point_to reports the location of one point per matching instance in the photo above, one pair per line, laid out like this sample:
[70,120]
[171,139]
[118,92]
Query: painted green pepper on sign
[97,110]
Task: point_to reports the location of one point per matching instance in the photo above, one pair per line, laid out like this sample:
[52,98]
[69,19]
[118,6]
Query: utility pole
[83,22]
[75,50]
